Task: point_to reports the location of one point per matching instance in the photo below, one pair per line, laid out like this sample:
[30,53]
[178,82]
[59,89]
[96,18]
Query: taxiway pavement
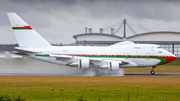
[74,74]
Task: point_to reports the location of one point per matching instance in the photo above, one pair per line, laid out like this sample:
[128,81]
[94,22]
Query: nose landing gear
[152,71]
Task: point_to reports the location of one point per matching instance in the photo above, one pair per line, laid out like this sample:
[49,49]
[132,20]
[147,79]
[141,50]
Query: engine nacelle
[113,66]
[83,63]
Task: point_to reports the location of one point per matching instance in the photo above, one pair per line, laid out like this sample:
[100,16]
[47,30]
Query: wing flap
[61,56]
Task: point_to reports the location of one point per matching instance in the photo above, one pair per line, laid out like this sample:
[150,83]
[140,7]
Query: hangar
[168,40]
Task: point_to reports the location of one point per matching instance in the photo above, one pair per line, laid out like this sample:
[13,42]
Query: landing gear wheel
[152,72]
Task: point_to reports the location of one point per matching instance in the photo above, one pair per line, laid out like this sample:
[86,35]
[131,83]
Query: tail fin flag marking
[22,28]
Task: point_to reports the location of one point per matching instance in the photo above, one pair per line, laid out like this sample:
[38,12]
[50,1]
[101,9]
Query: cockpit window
[159,47]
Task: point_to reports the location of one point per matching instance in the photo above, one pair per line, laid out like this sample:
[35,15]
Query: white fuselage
[139,55]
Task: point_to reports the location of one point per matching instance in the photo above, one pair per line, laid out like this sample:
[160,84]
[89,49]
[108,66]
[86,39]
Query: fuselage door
[147,56]
[152,48]
[50,53]
[126,55]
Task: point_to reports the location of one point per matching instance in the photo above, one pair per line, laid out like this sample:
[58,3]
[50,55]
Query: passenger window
[136,47]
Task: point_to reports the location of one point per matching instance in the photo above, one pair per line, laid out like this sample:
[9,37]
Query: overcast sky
[58,20]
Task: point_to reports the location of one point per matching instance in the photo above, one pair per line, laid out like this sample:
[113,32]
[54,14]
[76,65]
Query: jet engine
[83,63]
[113,66]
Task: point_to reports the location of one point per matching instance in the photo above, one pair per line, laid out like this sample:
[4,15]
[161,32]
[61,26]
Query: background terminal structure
[168,40]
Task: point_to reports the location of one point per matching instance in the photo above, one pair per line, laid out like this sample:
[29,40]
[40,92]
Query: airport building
[168,40]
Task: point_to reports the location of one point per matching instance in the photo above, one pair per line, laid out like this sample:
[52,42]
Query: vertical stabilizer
[26,36]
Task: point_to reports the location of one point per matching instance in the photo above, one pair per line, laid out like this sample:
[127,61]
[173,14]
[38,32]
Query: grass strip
[92,88]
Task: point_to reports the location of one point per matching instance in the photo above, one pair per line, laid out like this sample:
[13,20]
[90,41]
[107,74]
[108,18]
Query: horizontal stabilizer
[8,55]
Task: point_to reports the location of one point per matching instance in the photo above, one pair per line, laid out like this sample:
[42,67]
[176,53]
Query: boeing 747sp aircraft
[120,55]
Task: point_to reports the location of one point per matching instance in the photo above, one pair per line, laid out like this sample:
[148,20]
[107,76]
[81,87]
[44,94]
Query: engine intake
[113,66]
[83,63]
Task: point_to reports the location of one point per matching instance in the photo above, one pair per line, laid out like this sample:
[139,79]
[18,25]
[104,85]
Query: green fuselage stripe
[42,55]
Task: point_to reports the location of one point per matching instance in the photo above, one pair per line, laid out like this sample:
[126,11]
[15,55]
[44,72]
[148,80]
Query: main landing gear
[152,71]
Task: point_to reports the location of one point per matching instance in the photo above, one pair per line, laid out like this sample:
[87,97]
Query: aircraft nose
[170,59]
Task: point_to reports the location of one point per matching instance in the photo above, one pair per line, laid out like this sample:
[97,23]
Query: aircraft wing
[72,59]
[64,57]
[60,57]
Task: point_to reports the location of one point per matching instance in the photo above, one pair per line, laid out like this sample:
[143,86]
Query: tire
[152,72]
